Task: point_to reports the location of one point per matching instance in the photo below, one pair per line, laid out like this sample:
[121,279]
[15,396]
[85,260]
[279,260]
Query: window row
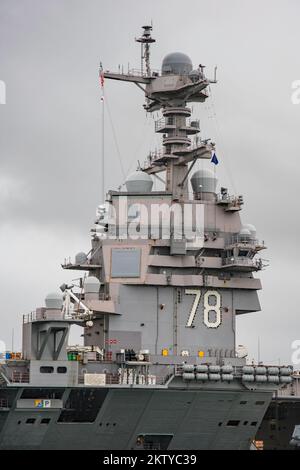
[50,370]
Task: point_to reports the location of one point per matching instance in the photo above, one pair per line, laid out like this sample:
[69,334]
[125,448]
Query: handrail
[227,199]
[3,403]
[20,377]
[244,261]
[137,379]
[140,73]
[244,240]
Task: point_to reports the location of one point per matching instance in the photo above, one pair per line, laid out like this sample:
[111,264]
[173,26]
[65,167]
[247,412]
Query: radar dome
[245,234]
[251,229]
[80,258]
[176,63]
[204,181]
[54,300]
[139,182]
[91,285]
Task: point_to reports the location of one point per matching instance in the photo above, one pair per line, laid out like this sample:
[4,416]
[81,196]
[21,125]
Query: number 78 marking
[207,308]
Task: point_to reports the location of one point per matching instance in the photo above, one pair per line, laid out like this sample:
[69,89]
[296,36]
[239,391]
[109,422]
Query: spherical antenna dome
[204,181]
[80,258]
[176,63]
[54,300]
[91,285]
[251,228]
[139,182]
[245,234]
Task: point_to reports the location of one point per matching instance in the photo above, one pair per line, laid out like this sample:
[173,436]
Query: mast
[145,40]
[170,91]
[102,159]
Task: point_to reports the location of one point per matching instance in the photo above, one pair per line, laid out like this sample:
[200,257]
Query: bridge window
[46,370]
[30,421]
[233,422]
[45,421]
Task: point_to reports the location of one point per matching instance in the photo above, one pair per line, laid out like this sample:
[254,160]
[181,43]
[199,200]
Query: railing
[152,157]
[227,199]
[143,73]
[242,261]
[244,240]
[138,379]
[3,403]
[72,315]
[43,315]
[163,122]
[195,145]
[155,155]
[68,263]
[192,123]
[178,136]
[29,317]
[19,377]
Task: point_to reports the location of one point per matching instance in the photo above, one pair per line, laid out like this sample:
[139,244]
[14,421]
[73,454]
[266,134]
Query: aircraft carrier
[167,273]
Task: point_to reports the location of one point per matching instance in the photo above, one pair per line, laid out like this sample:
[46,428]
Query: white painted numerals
[197,294]
[211,308]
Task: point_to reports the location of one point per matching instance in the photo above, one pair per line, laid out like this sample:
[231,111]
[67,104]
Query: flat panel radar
[125,262]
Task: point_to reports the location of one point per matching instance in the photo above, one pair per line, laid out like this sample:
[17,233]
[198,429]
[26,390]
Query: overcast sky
[50,136]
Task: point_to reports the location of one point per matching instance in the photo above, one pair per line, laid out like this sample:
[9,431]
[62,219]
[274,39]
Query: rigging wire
[114,136]
[139,145]
[143,137]
[147,126]
[227,165]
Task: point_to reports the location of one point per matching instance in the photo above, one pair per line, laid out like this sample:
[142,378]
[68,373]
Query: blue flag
[214,159]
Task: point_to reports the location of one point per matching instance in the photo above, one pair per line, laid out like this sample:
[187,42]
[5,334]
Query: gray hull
[135,419]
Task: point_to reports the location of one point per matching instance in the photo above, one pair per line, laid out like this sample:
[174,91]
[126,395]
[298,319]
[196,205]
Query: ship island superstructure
[159,368]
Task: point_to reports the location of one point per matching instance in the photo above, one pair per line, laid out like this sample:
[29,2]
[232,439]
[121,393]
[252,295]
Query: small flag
[101,75]
[214,159]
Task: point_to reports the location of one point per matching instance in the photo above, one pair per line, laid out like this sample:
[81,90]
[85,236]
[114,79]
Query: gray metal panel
[178,247]
[125,262]
[37,404]
[196,419]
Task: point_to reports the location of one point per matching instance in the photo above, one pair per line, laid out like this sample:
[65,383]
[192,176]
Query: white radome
[54,300]
[91,285]
[139,182]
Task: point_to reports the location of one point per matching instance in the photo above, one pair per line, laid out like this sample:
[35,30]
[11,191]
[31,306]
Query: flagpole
[103,150]
[102,163]
[215,161]
[215,176]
